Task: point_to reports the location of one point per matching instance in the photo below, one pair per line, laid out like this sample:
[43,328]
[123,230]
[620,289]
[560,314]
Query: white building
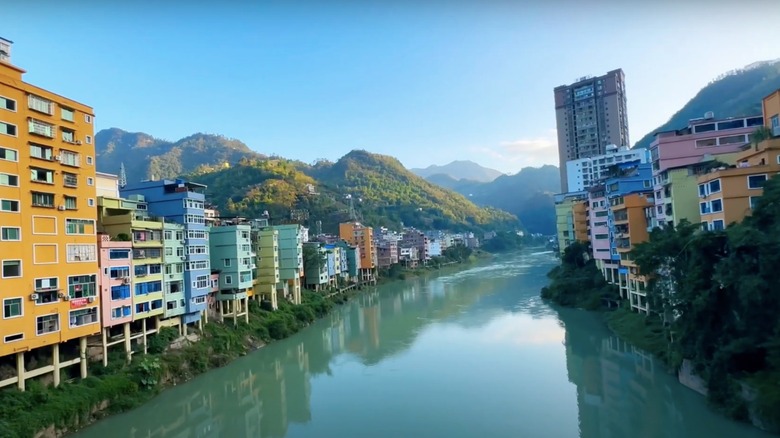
[586,172]
[434,248]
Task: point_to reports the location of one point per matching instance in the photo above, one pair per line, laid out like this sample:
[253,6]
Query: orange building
[361,236]
[580,212]
[48,244]
[727,195]
[630,229]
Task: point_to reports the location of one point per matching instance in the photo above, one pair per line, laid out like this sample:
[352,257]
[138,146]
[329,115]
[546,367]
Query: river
[470,354]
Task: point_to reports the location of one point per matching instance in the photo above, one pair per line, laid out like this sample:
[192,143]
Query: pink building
[690,145]
[598,212]
[115,281]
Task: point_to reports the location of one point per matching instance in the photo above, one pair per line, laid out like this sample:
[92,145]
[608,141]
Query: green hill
[145,156]
[382,192]
[734,94]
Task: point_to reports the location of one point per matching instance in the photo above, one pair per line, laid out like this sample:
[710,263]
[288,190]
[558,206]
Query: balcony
[40,128]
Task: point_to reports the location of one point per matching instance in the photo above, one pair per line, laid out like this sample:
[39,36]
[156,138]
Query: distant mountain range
[526,194]
[246,183]
[733,94]
[459,170]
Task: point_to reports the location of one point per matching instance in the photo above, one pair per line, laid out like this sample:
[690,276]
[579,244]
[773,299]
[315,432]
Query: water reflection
[496,313]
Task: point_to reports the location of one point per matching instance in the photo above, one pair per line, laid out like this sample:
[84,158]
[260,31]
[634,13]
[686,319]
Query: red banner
[75,303]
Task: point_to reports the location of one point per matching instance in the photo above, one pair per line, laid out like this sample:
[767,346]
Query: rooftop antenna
[122,175]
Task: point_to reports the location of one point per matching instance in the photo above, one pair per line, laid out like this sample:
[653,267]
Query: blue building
[182,202]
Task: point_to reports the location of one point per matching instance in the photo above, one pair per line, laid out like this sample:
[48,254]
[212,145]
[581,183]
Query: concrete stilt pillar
[235,312]
[20,371]
[55,361]
[83,356]
[246,310]
[200,324]
[104,336]
[143,333]
[128,345]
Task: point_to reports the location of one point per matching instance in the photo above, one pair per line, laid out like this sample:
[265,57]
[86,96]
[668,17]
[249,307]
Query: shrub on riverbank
[576,282]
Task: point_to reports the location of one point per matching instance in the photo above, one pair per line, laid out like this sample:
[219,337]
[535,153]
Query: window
[245,277]
[228,279]
[754,202]
[47,324]
[40,104]
[756,181]
[732,139]
[7,129]
[198,300]
[191,203]
[13,338]
[90,181]
[12,268]
[120,312]
[87,118]
[602,236]
[67,114]
[12,308]
[714,186]
[70,203]
[169,251]
[10,233]
[180,251]
[9,205]
[81,286]
[6,179]
[197,234]
[155,269]
[88,139]
[168,235]
[82,317]
[46,283]
[716,225]
[120,292]
[179,235]
[119,272]
[81,253]
[716,206]
[40,199]
[142,308]
[89,159]
[47,290]
[226,262]
[40,151]
[91,202]
[707,142]
[79,226]
[42,175]
[9,154]
[157,304]
[69,158]
[43,129]
[7,104]
[199,265]
[201,281]
[70,179]
[195,219]
[197,249]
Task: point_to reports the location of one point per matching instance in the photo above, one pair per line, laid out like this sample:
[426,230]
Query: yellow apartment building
[361,236]
[630,229]
[48,241]
[727,195]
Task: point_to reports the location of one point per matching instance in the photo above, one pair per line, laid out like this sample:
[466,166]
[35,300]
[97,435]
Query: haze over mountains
[460,169]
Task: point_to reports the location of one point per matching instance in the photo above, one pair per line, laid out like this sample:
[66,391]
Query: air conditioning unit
[77,142]
[56,158]
[33,297]
[66,297]
[91,299]
[126,280]
[61,208]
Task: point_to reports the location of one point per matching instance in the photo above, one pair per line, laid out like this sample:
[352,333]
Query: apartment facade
[630,229]
[266,245]
[571,219]
[182,202]
[232,257]
[47,219]
[590,114]
[174,284]
[587,172]
[361,236]
[290,261]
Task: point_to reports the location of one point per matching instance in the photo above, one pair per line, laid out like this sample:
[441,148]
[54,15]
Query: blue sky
[427,82]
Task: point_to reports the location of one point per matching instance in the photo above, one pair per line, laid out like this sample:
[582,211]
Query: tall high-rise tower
[590,114]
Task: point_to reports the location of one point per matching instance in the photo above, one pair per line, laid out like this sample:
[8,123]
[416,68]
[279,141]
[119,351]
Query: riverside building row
[710,172]
[88,264]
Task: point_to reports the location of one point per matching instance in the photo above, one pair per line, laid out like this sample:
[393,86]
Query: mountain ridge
[460,169]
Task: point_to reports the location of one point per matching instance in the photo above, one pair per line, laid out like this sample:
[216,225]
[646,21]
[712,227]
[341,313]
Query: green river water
[470,354]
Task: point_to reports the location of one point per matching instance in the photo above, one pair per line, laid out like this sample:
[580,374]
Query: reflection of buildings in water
[618,393]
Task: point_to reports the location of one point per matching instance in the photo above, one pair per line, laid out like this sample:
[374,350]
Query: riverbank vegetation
[713,300]
[576,282]
[122,386]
